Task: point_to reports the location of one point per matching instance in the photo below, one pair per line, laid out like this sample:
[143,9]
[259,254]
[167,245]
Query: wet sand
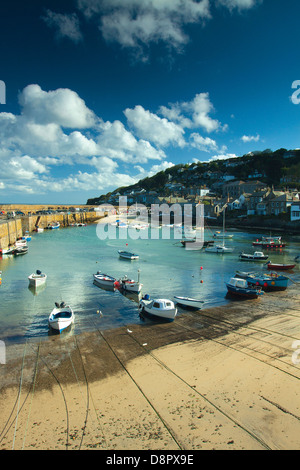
[220,378]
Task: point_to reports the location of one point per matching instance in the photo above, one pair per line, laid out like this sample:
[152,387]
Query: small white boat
[218,249]
[20,242]
[37,279]
[39,229]
[256,256]
[129,284]
[162,309]
[61,317]
[21,250]
[189,302]
[104,279]
[222,235]
[127,255]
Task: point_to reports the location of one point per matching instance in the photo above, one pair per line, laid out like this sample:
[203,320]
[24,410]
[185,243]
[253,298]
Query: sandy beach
[219,378]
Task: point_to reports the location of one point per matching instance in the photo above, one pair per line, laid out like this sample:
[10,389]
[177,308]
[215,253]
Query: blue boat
[239,288]
[268,282]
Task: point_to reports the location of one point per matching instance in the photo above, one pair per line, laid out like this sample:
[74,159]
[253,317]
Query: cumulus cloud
[62,106]
[193,114]
[151,127]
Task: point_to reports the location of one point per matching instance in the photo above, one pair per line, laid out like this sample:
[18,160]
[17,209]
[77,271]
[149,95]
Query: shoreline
[219,378]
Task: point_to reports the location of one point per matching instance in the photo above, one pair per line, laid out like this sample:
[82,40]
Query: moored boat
[256,256]
[61,317]
[268,282]
[129,285]
[222,235]
[21,250]
[269,242]
[53,225]
[104,279]
[189,302]
[221,249]
[127,255]
[239,288]
[37,279]
[160,309]
[278,266]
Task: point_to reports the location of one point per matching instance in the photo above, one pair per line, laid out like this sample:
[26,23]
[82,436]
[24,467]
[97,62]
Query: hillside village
[260,184]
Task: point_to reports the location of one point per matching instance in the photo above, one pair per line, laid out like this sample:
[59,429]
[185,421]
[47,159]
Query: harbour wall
[11,230]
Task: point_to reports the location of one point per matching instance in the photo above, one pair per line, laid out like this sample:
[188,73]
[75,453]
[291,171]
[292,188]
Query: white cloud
[151,127]
[250,138]
[62,106]
[239,4]
[197,113]
[223,157]
[66,25]
[134,22]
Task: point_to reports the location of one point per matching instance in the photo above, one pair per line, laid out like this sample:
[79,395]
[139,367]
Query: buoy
[201,267]
[201,282]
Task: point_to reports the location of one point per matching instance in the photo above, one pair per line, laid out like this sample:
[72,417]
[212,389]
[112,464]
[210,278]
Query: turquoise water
[70,256]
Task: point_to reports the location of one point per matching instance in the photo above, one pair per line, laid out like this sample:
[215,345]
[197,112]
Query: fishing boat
[268,282]
[160,309]
[239,288]
[189,302]
[129,285]
[104,279]
[61,317]
[269,242]
[277,266]
[127,255]
[256,256]
[37,279]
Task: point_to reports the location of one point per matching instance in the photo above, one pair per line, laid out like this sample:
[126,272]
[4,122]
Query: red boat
[285,267]
[269,242]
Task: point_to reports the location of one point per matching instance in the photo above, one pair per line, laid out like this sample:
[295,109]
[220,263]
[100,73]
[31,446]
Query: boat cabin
[237,282]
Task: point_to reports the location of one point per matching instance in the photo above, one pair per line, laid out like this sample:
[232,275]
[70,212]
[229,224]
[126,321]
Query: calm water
[70,257]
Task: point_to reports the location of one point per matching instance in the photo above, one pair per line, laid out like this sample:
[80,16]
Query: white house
[295,211]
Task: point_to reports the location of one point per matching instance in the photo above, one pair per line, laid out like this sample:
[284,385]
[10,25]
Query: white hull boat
[37,279]
[61,317]
[256,256]
[104,279]
[162,309]
[218,249]
[189,302]
[222,235]
[127,255]
[129,285]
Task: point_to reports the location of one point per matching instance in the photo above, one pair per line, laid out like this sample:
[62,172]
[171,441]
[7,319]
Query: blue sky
[102,93]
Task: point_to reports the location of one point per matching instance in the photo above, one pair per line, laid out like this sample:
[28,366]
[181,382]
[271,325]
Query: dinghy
[127,255]
[188,302]
[37,279]
[61,317]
